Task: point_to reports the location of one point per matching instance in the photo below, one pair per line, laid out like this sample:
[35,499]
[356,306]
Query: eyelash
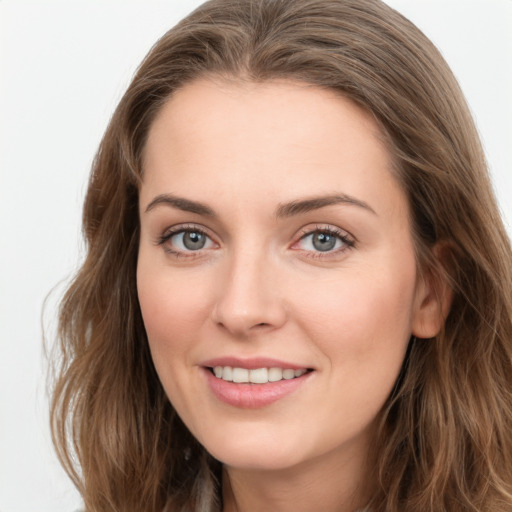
[169,233]
[347,241]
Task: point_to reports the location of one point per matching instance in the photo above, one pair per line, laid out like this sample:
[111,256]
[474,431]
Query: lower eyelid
[342,246]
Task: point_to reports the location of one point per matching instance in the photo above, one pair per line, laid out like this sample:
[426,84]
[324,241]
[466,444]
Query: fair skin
[232,271]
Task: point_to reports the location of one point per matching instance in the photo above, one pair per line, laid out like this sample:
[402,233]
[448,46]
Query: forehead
[277,139]
[244,110]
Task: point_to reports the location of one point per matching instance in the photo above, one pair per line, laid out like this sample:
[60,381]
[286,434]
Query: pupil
[323,241]
[193,240]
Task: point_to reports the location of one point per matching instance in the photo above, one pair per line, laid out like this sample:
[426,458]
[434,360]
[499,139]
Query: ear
[434,295]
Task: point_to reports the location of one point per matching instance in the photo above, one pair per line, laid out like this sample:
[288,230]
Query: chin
[255,452]
[256,460]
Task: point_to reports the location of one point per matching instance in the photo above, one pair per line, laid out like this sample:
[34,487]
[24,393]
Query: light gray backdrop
[64,66]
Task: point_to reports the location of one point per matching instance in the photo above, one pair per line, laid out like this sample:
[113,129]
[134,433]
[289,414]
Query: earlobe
[434,297]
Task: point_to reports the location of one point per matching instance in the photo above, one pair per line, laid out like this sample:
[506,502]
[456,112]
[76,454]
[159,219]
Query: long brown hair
[445,439]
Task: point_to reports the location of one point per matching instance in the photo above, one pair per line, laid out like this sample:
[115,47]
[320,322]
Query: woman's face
[275,243]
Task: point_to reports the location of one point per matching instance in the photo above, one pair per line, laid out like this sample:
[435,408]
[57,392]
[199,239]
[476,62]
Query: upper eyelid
[171,231]
[179,228]
[328,228]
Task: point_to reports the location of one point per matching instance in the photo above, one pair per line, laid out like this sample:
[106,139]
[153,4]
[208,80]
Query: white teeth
[227,372]
[275,374]
[288,374]
[240,375]
[257,375]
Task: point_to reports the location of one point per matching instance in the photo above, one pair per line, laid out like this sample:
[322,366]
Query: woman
[297,287]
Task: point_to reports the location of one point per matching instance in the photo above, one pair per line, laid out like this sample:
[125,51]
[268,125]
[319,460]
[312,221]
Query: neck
[336,485]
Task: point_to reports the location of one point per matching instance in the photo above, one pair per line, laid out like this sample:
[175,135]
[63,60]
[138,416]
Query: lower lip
[253,396]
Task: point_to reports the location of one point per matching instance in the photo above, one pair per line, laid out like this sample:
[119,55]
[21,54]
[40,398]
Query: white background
[63,67]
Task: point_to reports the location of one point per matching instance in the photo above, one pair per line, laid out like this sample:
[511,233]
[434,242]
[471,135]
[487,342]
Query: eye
[181,240]
[324,240]
[190,240]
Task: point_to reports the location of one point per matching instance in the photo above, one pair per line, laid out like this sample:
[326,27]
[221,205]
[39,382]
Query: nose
[249,298]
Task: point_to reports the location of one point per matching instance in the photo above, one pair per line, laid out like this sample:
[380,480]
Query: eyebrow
[290,209]
[314,203]
[181,204]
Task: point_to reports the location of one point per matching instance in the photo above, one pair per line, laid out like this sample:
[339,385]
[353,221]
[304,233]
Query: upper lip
[251,363]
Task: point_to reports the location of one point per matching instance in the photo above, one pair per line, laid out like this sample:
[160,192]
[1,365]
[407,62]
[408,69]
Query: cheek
[362,326]
[173,308]
[363,317]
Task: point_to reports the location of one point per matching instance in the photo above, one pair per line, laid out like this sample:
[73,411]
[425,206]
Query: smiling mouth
[256,375]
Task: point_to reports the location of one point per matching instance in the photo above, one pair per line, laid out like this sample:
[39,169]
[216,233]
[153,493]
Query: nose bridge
[248,299]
